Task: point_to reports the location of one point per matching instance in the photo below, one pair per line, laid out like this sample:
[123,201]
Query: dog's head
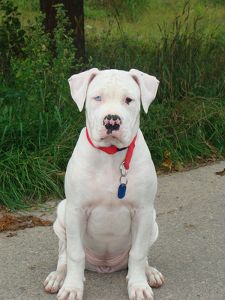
[112,99]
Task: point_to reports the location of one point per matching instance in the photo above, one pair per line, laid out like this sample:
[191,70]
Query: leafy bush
[185,57]
[182,58]
[39,123]
[11,36]
[46,68]
[35,115]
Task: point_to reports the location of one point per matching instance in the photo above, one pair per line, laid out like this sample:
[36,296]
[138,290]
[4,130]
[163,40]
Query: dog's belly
[108,238]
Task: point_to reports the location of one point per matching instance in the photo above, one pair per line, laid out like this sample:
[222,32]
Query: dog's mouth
[108,137]
[112,139]
[102,138]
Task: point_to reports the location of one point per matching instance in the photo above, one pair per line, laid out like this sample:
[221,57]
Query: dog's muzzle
[112,122]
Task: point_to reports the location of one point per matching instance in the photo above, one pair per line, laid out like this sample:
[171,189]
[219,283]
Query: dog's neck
[113,149]
[109,150]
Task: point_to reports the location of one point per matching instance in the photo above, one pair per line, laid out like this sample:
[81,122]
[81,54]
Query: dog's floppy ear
[79,85]
[148,86]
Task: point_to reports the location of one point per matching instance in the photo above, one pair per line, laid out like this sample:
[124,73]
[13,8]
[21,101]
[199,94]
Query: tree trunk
[75,12]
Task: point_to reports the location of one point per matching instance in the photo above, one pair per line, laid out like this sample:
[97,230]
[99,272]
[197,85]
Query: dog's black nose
[112,122]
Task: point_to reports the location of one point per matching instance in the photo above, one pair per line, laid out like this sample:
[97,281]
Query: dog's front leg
[72,288]
[144,233]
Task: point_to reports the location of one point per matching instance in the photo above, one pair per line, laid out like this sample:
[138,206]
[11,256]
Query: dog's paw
[54,281]
[155,278]
[70,293]
[140,291]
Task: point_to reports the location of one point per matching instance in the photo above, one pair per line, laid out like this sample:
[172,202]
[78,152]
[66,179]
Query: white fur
[92,220]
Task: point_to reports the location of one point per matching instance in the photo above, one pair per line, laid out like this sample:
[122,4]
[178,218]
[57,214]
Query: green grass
[39,123]
[188,130]
[155,14]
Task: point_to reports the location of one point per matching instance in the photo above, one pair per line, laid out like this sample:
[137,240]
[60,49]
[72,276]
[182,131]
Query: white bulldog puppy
[107,221]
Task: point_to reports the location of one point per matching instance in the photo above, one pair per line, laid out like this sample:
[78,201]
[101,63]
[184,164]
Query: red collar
[113,149]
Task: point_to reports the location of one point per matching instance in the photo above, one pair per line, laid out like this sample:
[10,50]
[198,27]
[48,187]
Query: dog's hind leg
[55,279]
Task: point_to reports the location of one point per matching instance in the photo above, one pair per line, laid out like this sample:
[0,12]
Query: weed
[11,36]
[39,124]
[182,58]
[35,114]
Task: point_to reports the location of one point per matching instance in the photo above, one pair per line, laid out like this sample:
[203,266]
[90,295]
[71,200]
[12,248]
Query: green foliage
[93,12]
[39,123]
[213,2]
[27,175]
[11,35]
[190,130]
[64,56]
[43,73]
[129,9]
[35,115]
[33,5]
[32,71]
[182,58]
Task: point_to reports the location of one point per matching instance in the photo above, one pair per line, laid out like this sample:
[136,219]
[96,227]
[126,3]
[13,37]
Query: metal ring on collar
[123,170]
[123,179]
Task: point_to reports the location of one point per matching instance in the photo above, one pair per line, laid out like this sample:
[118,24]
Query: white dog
[107,222]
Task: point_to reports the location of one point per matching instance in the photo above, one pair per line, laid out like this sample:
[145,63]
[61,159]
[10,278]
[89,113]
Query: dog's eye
[128,100]
[97,98]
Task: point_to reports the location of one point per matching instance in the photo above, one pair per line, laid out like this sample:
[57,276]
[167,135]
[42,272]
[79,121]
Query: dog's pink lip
[106,137]
[110,136]
[110,140]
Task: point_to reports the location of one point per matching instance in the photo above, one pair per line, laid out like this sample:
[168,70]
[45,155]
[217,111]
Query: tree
[75,12]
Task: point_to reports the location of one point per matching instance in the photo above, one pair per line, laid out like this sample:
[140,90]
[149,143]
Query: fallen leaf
[167,162]
[178,166]
[221,173]
[167,154]
[11,234]
[10,222]
[189,226]
[60,173]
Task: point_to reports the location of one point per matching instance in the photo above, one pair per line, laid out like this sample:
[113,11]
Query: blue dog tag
[122,190]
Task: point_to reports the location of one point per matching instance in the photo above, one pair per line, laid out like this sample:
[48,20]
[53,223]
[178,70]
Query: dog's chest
[108,217]
[108,221]
[102,181]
